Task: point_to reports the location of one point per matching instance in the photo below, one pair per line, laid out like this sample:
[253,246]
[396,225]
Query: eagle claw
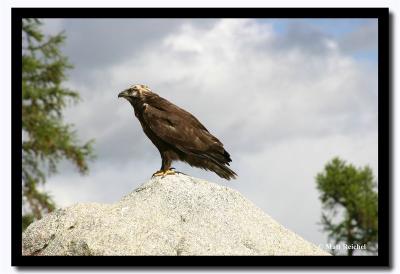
[163,173]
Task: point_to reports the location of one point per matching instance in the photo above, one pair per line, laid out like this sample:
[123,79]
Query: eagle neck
[137,105]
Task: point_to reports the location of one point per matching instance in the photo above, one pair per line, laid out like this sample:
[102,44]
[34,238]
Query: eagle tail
[222,171]
[218,162]
[212,160]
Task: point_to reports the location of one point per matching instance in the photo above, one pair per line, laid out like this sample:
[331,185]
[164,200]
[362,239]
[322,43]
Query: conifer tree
[352,192]
[46,138]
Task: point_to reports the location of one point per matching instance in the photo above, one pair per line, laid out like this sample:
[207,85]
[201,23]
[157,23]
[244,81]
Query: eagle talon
[157,173]
[163,173]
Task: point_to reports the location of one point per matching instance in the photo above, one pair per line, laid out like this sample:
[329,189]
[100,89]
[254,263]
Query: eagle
[177,134]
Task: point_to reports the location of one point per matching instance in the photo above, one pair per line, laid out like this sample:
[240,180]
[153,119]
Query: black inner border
[384,141]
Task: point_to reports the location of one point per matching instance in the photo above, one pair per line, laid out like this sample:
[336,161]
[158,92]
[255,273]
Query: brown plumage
[177,134]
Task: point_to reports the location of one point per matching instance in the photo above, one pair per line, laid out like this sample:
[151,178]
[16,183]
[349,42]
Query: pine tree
[46,138]
[352,192]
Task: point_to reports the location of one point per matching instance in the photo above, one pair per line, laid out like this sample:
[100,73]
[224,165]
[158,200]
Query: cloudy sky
[284,96]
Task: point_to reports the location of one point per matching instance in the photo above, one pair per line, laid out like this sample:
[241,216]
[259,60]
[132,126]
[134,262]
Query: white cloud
[269,89]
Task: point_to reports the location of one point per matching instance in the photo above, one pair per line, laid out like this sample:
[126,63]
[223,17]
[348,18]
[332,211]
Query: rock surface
[174,215]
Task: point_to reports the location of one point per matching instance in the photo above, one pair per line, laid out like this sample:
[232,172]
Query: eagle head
[134,92]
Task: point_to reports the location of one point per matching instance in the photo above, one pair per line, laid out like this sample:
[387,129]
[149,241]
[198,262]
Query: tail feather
[218,156]
[223,171]
[211,160]
[220,160]
[209,163]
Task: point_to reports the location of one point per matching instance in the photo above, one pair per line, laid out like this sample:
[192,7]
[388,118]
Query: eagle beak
[123,94]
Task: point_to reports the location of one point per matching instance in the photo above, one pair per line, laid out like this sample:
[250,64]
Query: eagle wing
[183,131]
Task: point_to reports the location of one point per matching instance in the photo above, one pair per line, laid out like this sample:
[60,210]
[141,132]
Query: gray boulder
[174,215]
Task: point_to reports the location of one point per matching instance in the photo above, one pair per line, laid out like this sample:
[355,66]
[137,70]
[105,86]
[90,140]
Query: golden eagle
[177,134]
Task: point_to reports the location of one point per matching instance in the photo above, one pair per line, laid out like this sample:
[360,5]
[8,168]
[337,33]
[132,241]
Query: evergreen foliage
[46,138]
[351,191]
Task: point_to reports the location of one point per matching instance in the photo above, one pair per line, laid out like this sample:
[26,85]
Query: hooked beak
[123,94]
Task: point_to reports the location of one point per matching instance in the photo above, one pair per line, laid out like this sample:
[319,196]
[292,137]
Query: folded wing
[183,131]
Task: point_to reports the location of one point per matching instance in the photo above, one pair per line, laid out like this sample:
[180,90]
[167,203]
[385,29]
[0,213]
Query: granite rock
[174,215]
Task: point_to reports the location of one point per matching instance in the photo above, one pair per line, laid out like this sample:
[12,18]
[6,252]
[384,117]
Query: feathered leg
[165,167]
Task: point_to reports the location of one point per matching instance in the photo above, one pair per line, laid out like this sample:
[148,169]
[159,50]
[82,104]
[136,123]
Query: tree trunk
[350,252]
[349,237]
